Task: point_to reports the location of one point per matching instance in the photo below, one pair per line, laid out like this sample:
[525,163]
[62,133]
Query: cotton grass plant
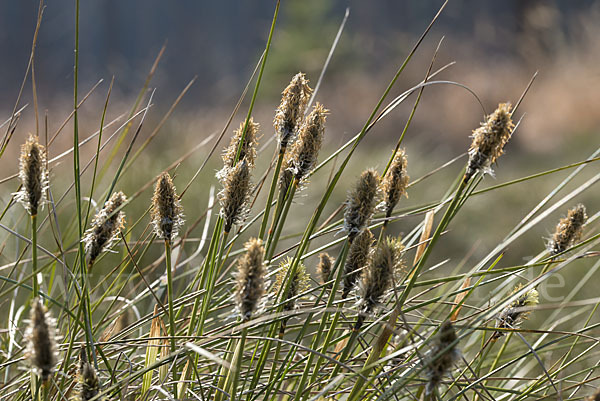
[251,308]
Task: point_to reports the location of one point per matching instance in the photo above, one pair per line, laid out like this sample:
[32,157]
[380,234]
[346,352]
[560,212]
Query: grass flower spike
[291,110]
[247,151]
[361,202]
[568,230]
[250,279]
[324,267]
[378,277]
[89,385]
[41,343]
[235,194]
[394,183]
[489,141]
[33,174]
[105,226]
[442,356]
[167,213]
[358,256]
[515,313]
[298,284]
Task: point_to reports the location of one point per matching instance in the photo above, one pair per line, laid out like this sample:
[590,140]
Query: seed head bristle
[105,226]
[291,110]
[378,277]
[235,194]
[358,256]
[568,230]
[395,182]
[302,158]
[167,213]
[324,268]
[33,174]
[248,150]
[361,202]
[443,355]
[89,385]
[41,343]
[250,278]
[298,283]
[515,313]
[489,141]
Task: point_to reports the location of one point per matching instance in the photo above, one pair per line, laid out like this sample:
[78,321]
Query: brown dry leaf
[459,298]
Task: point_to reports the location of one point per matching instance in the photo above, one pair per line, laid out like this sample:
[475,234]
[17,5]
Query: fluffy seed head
[595,397]
[234,195]
[289,113]
[378,277]
[167,213]
[303,156]
[298,283]
[361,202]
[324,267]
[568,230]
[89,386]
[250,279]
[442,356]
[33,175]
[107,222]
[515,313]
[358,256]
[394,183]
[489,140]
[248,150]
[41,343]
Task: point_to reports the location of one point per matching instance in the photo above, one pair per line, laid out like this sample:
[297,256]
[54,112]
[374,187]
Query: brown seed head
[595,397]
[234,195]
[515,313]
[291,110]
[105,226]
[248,150]
[378,277]
[167,213]
[442,356]
[298,283]
[302,158]
[489,141]
[41,343]
[89,386]
[250,278]
[361,202]
[324,268]
[358,256]
[33,175]
[568,230]
[394,183]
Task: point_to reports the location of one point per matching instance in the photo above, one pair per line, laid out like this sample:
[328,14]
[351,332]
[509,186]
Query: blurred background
[497,47]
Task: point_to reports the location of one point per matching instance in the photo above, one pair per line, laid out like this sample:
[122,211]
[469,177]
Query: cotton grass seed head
[489,141]
[325,267]
[288,115]
[250,285]
[89,385]
[395,182]
[358,256]
[33,175]
[378,276]
[568,230]
[248,149]
[302,158]
[41,343]
[442,357]
[167,213]
[235,194]
[361,202]
[518,310]
[298,280]
[105,226]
